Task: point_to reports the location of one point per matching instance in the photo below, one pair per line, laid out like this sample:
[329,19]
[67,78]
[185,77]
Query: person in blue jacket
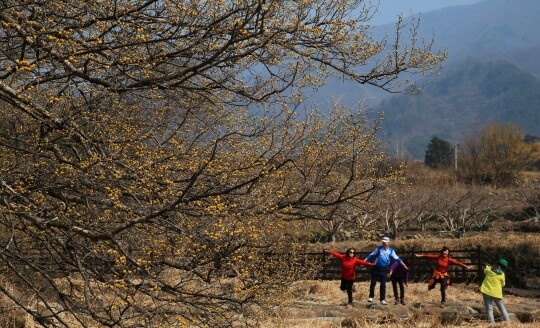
[383,255]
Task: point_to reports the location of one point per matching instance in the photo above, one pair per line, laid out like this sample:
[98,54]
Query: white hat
[385,240]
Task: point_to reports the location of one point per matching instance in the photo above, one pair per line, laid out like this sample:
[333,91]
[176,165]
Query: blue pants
[378,274]
[489,307]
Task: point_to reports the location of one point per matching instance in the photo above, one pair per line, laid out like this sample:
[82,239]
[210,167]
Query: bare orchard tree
[387,210]
[400,207]
[420,200]
[459,209]
[366,225]
[348,178]
[150,148]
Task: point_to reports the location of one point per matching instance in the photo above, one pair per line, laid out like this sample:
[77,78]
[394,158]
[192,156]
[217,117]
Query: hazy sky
[390,9]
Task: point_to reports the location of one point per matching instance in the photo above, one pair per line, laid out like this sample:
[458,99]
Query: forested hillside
[471,94]
[491,74]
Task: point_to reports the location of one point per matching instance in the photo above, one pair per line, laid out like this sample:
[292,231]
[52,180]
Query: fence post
[479,255]
[413,264]
[324,264]
[479,258]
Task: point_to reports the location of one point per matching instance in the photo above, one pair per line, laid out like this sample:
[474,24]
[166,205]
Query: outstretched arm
[336,254]
[393,267]
[363,262]
[372,255]
[404,265]
[456,262]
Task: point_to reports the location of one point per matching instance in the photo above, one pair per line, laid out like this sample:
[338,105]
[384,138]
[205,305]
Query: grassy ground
[324,293]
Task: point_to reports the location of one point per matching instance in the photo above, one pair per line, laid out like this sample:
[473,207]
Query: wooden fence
[420,269]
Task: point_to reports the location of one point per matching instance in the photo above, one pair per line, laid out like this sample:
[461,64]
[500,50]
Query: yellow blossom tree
[151,153]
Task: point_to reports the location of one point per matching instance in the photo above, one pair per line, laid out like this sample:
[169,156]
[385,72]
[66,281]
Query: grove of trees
[151,151]
[496,154]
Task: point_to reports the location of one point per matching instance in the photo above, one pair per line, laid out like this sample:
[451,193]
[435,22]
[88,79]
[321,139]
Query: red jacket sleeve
[336,254]
[430,256]
[362,262]
[456,262]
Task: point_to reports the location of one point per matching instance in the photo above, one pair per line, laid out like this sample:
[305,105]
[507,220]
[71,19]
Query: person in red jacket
[440,275]
[348,274]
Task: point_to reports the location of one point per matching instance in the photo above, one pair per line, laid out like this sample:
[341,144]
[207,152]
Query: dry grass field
[318,298]
[320,304]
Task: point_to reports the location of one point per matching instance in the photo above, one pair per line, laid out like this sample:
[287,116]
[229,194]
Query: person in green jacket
[492,289]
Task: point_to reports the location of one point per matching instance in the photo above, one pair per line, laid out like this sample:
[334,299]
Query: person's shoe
[397,301]
[383,302]
[349,305]
[403,301]
[370,300]
[442,304]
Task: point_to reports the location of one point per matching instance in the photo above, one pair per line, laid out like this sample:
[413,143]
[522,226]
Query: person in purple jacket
[399,274]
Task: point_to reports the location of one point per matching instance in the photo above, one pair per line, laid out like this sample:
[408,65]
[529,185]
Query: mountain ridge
[493,44]
[473,93]
[491,31]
